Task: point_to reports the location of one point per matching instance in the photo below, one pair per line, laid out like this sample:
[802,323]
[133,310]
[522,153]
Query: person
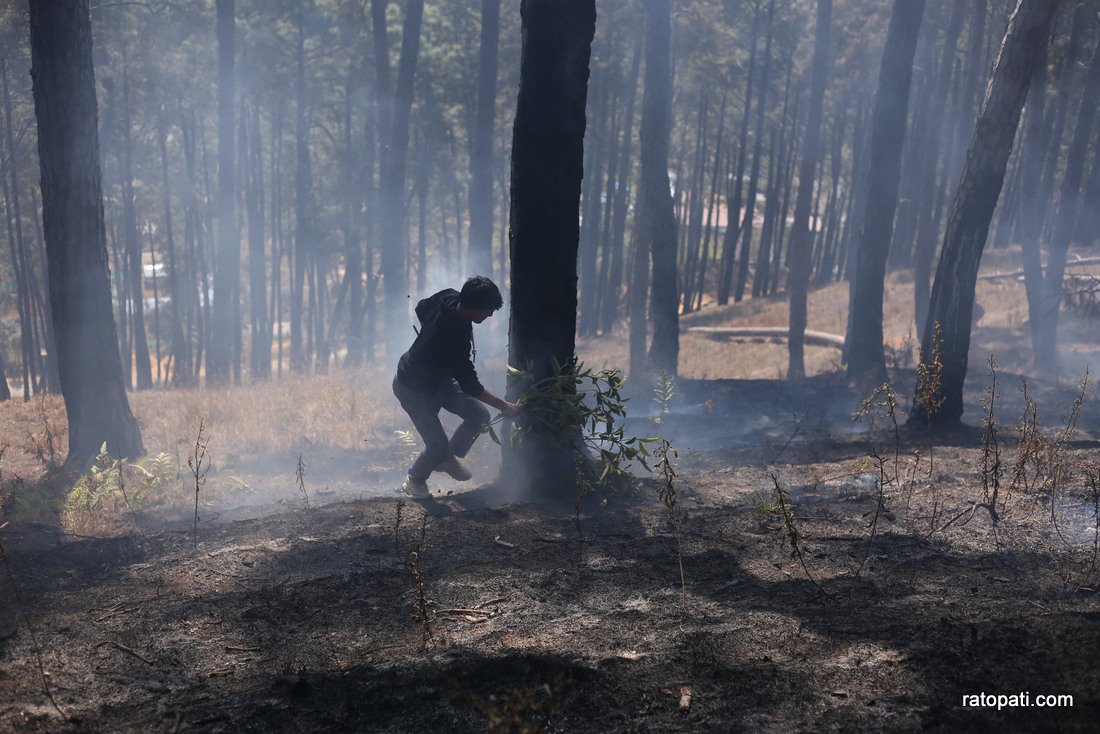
[437,373]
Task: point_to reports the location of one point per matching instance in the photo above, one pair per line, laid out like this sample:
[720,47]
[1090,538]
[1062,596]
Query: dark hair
[480,292]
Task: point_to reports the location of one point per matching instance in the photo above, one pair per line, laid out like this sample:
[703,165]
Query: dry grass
[1001,330]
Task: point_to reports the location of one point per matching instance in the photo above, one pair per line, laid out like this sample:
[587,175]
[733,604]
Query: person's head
[479,299]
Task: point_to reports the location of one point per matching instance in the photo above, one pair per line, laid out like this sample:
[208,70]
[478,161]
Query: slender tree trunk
[611,301]
[219,360]
[17,243]
[733,206]
[757,154]
[655,204]
[1069,202]
[481,142]
[864,347]
[952,303]
[76,248]
[800,231]
[394,166]
[133,242]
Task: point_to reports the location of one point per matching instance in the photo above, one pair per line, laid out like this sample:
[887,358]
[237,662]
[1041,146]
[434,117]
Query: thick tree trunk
[655,203]
[547,166]
[800,231]
[76,247]
[864,348]
[481,143]
[227,270]
[952,304]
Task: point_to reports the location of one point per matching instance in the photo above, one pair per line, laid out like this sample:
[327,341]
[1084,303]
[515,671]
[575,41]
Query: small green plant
[763,509]
[586,410]
[662,395]
[105,477]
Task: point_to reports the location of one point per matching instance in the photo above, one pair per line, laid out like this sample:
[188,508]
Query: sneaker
[415,489]
[454,467]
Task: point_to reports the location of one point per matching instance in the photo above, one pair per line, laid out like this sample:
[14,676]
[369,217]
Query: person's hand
[511,410]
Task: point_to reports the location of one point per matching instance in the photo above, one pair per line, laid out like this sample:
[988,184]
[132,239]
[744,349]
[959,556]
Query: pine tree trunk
[952,302]
[481,143]
[800,231]
[864,345]
[547,166]
[219,360]
[655,204]
[394,168]
[76,248]
[1069,201]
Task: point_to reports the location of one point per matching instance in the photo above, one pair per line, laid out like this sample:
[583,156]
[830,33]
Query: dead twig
[125,649]
[30,629]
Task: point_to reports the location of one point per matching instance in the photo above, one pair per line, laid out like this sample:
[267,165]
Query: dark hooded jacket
[442,350]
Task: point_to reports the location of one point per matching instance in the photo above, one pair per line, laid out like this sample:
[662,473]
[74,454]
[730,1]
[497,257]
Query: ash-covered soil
[474,610]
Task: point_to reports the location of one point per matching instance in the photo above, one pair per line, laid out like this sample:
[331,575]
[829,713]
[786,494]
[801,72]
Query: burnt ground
[305,619]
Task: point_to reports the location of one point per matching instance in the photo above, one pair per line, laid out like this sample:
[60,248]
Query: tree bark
[480,240]
[952,303]
[227,270]
[864,348]
[799,279]
[1069,201]
[544,232]
[76,247]
[394,168]
[655,202]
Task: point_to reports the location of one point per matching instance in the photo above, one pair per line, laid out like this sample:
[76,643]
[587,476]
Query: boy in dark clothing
[438,373]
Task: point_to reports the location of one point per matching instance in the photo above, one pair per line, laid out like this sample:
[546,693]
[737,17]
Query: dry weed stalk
[199,467]
[930,383]
[30,628]
[1092,481]
[884,397]
[422,603]
[1029,447]
[47,455]
[397,525]
[992,466]
[300,478]
[792,536]
[880,487]
[667,494]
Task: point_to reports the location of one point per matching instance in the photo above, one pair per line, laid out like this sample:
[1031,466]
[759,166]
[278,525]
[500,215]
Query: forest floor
[839,574]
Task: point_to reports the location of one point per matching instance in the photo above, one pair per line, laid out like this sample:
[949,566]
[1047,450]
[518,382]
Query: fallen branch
[814,338]
[125,649]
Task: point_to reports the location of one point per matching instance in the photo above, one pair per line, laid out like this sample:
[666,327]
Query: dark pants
[423,408]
